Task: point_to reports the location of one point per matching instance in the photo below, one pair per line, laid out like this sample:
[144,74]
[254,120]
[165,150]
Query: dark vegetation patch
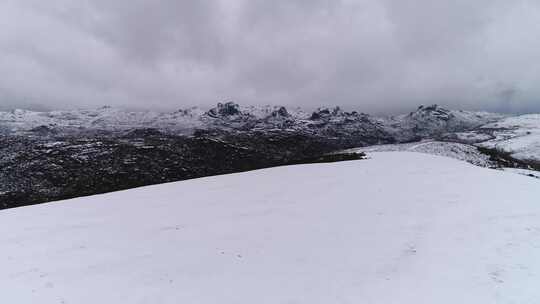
[331,158]
[505,159]
[34,170]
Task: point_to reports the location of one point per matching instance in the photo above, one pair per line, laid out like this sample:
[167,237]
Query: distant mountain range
[53,155]
[424,122]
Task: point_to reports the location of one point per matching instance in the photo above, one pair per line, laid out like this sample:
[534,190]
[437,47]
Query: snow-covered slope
[463,152]
[519,136]
[397,228]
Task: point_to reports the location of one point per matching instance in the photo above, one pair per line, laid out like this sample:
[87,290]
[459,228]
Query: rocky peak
[224,110]
[323,113]
[44,130]
[280,112]
[433,111]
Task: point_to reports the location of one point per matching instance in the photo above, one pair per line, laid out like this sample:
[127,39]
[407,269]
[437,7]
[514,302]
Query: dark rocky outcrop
[224,110]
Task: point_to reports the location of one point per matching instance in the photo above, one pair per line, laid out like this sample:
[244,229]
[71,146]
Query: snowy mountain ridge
[518,135]
[427,118]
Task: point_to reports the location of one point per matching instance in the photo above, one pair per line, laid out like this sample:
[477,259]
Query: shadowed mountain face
[46,156]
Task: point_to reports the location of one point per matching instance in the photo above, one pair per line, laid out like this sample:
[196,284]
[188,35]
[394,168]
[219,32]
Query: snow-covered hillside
[463,152]
[519,136]
[397,228]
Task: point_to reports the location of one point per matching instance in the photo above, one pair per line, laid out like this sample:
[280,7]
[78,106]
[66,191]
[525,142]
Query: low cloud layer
[371,55]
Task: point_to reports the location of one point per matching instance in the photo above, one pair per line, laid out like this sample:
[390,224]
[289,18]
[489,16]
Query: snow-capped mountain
[433,121]
[426,121]
[395,228]
[351,128]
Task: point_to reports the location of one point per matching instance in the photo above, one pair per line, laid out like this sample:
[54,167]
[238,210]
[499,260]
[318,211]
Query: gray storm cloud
[372,55]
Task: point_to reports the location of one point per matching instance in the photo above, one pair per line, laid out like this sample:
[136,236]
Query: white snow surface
[526,172]
[400,227]
[457,151]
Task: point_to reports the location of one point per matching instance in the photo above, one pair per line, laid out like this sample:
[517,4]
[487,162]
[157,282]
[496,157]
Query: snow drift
[397,228]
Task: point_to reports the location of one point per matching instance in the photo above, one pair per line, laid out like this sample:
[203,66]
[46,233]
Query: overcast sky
[371,55]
